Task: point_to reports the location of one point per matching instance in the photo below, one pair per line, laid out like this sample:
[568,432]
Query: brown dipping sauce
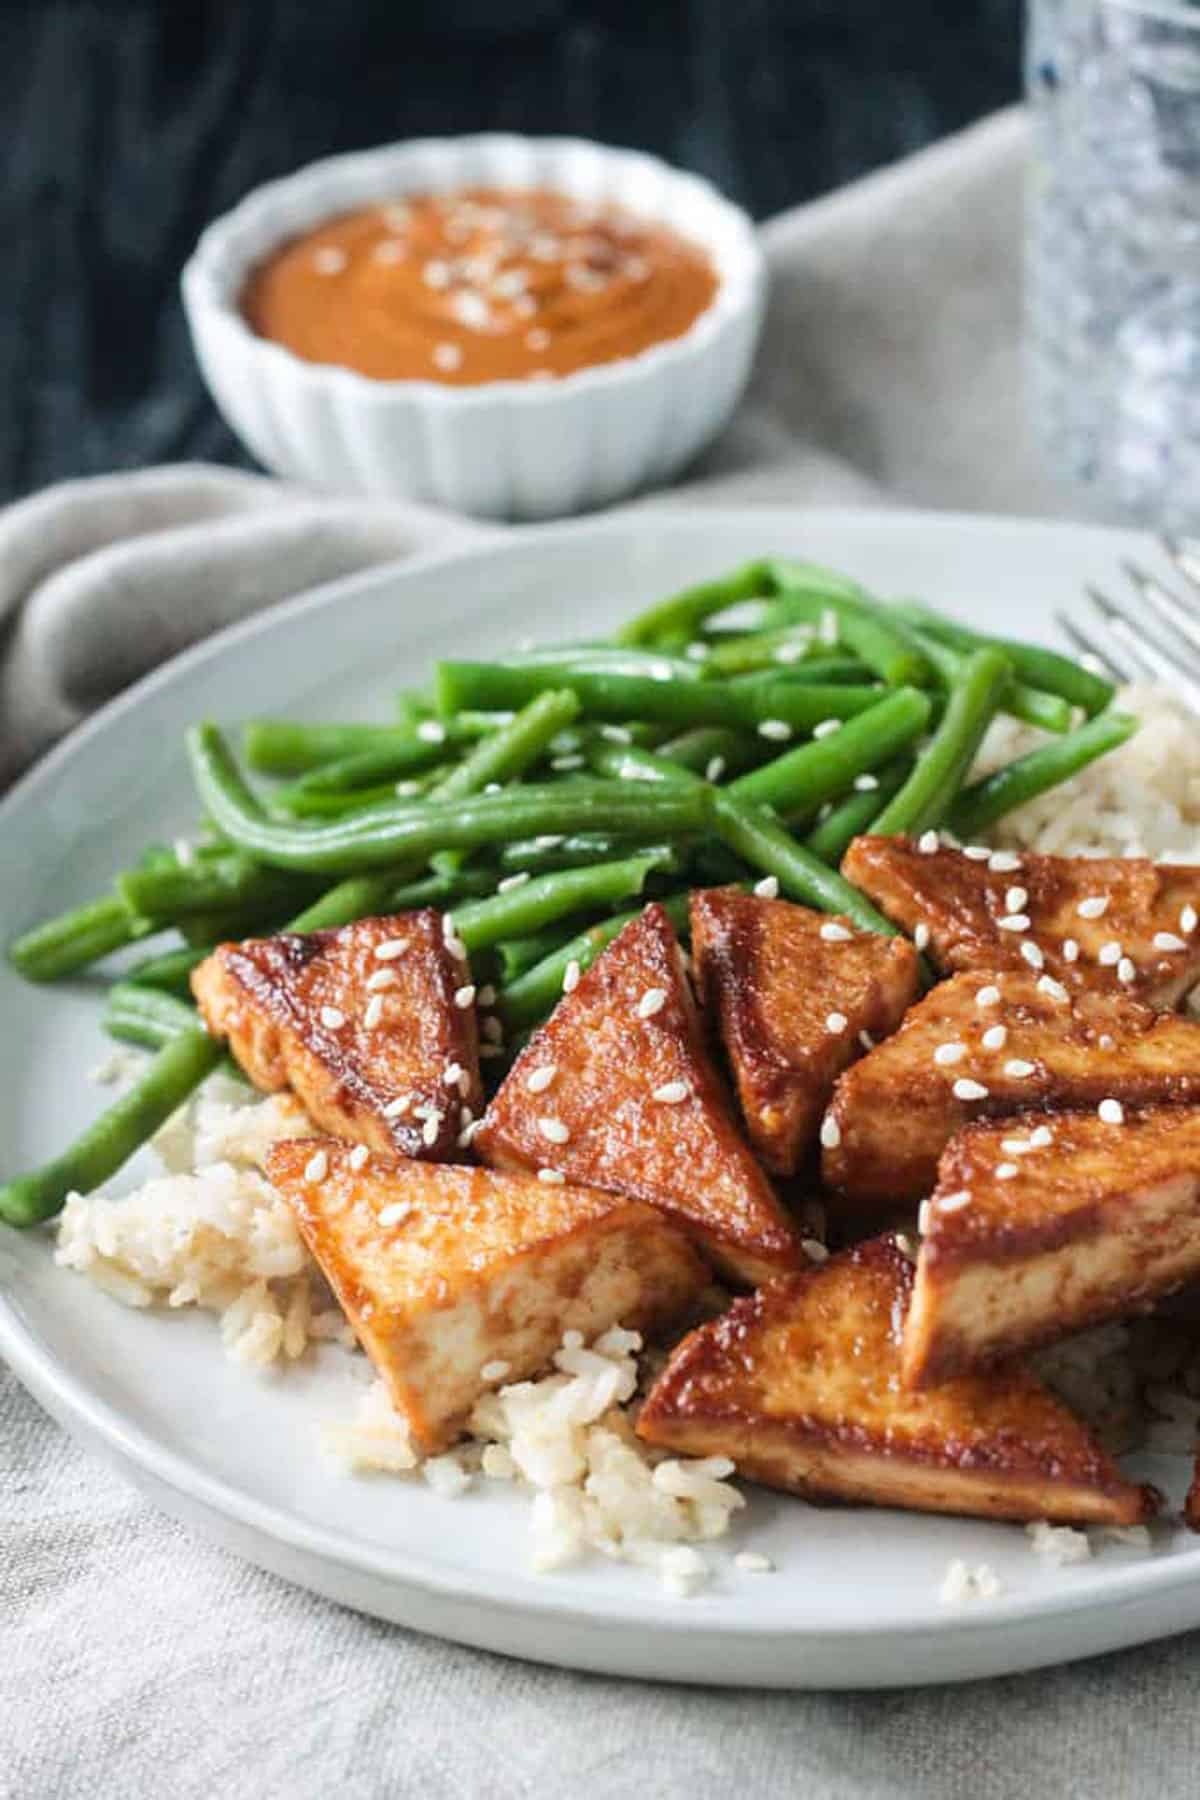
[479,285]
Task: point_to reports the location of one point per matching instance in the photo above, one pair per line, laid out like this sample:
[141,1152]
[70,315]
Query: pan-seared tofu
[372,1027]
[794,992]
[457,1279]
[616,1090]
[1114,925]
[1048,1223]
[986,1045]
[800,1385]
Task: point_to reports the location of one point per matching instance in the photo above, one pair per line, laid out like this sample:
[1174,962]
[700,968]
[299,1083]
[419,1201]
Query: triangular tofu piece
[1114,925]
[798,997]
[800,1385]
[457,1280]
[1048,1223]
[616,1090]
[372,1027]
[985,1045]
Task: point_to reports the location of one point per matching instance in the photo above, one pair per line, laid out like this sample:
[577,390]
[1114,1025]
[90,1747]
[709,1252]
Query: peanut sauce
[479,285]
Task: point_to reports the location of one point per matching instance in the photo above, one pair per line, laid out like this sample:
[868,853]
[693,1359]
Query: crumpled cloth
[136,1659]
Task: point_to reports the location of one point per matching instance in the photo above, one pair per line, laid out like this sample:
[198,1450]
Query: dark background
[128,125]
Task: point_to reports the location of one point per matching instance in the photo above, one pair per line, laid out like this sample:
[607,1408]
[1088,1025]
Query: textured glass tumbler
[1113,253]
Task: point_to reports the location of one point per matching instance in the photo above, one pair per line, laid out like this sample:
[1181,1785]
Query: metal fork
[1159,640]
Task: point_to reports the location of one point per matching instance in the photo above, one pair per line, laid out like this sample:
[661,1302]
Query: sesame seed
[906,1246]
[472,310]
[1017,1069]
[790,653]
[826,728]
[454,1074]
[1055,989]
[977,852]
[1109,953]
[493,1030]
[1006,1171]
[538,338]
[928,843]
[374,1012]
[995,1037]
[831,1135]
[777,729]
[571,975]
[715,768]
[921,935]
[814,1249]
[953,1202]
[431,731]
[661,672]
[447,357]
[966,1089]
[836,1023]
[833,933]
[1070,950]
[923,1218]
[1032,954]
[538,1080]
[387,952]
[1014,922]
[455,947]
[1105,1042]
[466,1118]
[549,840]
[358,1157]
[947,1054]
[616,734]
[753,1562]
[185,854]
[1094,907]
[1167,940]
[988,996]
[564,764]
[487,995]
[1188,920]
[465,996]
[866,784]
[406,789]
[430,1129]
[1014,900]
[767,888]
[1003,862]
[828,629]
[329,260]
[553,1130]
[396,1109]
[332,1017]
[551,1177]
[388,250]
[392,1215]
[512,881]
[1041,1138]
[866,1040]
[697,651]
[1126,971]
[1016,1146]
[1111,1112]
[494,1371]
[672,1093]
[317,1167]
[651,1002]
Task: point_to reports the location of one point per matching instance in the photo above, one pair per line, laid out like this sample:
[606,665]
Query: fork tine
[1144,650]
[1087,646]
[1165,605]
[1186,557]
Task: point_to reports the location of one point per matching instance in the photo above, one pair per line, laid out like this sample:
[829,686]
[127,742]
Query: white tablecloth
[138,1661]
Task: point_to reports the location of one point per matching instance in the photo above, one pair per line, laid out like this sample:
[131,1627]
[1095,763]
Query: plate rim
[522,1594]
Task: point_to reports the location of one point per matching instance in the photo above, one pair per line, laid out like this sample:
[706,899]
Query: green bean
[762,842]
[369,768]
[397,833]
[605,659]
[862,625]
[170,893]
[358,897]
[1050,712]
[629,762]
[987,800]
[832,836]
[739,653]
[801,780]
[538,902]
[555,850]
[290,747]
[74,939]
[928,794]
[713,751]
[170,972]
[295,805]
[516,955]
[1040,668]
[678,703]
[535,993]
[179,1067]
[145,1015]
[678,617]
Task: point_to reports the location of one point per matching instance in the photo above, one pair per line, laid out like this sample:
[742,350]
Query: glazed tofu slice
[1116,926]
[1048,1223]
[616,1090]
[986,1045]
[458,1279]
[372,1027]
[794,992]
[800,1385]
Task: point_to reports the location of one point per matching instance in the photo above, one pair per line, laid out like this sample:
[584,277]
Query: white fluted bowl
[502,449]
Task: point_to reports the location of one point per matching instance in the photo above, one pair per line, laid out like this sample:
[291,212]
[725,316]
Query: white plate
[854,1600]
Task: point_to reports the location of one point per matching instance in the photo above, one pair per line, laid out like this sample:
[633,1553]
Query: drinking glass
[1113,255]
